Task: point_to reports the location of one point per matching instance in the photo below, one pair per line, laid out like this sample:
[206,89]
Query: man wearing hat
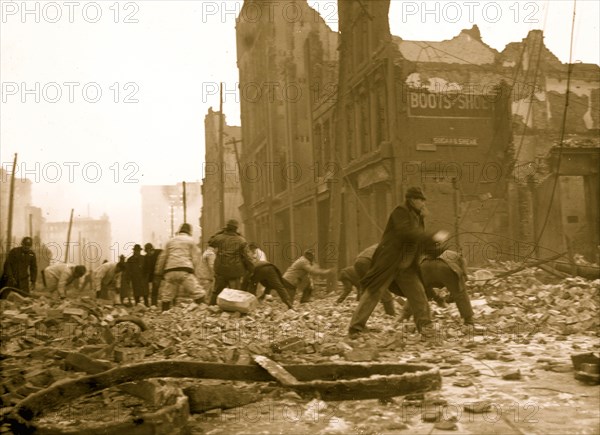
[232,260]
[20,268]
[396,259]
[177,264]
[135,275]
[149,264]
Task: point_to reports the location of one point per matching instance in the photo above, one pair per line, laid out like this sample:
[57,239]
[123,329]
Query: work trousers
[175,281]
[436,273]
[412,288]
[269,278]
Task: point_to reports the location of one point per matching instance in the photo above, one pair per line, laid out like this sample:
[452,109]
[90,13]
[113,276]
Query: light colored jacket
[105,275]
[206,269]
[257,255]
[298,272]
[58,276]
[181,253]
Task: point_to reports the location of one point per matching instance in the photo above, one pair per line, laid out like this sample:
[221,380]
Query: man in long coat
[20,268]
[395,260]
[356,272]
[232,261]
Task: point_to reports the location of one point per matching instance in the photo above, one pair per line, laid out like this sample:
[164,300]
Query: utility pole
[79,250]
[11,201]
[184,204]
[289,180]
[172,223]
[69,236]
[456,213]
[245,192]
[221,164]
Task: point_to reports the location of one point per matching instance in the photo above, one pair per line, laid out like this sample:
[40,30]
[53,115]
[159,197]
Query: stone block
[149,390]
[83,363]
[129,354]
[237,300]
[205,397]
[289,344]
[74,312]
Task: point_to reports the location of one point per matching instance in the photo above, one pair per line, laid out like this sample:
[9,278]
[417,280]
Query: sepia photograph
[329,217]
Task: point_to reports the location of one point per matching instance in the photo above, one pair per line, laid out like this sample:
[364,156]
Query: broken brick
[74,312]
[129,354]
[289,344]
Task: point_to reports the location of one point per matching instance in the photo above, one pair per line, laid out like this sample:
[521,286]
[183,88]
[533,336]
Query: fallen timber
[347,381]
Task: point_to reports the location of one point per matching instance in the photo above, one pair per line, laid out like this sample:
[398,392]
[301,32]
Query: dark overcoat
[399,247]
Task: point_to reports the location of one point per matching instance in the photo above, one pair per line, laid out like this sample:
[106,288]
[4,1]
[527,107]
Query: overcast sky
[156,65]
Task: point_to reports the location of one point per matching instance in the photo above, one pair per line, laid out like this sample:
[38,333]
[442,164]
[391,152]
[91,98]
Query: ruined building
[221,187]
[277,164]
[473,126]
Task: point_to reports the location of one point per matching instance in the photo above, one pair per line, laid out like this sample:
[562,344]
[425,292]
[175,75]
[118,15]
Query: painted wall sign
[427,104]
[461,141]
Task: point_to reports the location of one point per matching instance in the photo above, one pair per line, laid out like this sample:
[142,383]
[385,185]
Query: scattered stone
[237,300]
[448,372]
[478,407]
[289,344]
[463,383]
[74,312]
[445,425]
[512,375]
[129,354]
[83,363]
[206,397]
[361,355]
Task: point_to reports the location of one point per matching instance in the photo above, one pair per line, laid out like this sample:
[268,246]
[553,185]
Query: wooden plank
[275,370]
[331,381]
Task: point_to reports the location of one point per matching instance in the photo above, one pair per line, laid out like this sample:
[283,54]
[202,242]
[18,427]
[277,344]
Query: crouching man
[270,277]
[177,264]
[59,276]
[448,270]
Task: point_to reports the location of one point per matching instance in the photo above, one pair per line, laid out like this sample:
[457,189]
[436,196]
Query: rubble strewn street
[512,373]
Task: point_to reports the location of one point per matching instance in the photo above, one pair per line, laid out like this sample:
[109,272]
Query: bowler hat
[232,223]
[415,193]
[186,228]
[137,248]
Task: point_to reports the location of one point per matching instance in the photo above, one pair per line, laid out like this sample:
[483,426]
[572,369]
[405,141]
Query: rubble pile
[46,340]
[39,337]
[570,306]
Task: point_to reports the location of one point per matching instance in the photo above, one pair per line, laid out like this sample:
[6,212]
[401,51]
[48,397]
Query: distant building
[90,242]
[22,208]
[162,211]
[221,181]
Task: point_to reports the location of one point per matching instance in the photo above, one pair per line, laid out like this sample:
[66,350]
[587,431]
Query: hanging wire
[562,131]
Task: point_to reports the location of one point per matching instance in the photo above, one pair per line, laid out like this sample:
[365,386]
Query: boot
[199,301]
[388,306]
[165,306]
